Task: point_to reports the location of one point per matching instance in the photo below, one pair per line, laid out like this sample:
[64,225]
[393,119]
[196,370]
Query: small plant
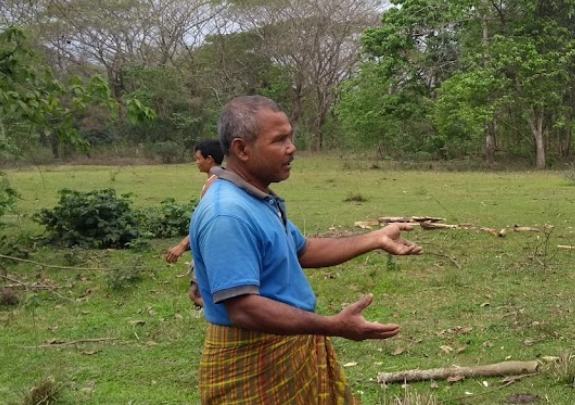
[74,256]
[570,176]
[46,392]
[8,195]
[96,219]
[120,278]
[356,197]
[564,369]
[16,245]
[8,297]
[412,398]
[391,265]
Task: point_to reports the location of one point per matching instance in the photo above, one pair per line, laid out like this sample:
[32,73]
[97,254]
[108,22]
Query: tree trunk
[566,147]
[536,125]
[318,123]
[490,143]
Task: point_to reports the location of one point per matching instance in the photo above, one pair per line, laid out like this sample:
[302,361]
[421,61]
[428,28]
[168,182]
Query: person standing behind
[265,344]
[209,154]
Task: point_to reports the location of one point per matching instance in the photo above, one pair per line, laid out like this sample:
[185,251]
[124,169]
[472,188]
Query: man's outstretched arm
[325,252]
[257,313]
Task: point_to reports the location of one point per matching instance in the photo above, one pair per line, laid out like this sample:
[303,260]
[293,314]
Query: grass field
[472,299]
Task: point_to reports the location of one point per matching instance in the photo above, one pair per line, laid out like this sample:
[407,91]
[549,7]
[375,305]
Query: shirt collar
[241,183]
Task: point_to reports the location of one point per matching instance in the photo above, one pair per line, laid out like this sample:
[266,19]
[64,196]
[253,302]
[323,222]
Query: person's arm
[207,185]
[325,252]
[175,252]
[257,313]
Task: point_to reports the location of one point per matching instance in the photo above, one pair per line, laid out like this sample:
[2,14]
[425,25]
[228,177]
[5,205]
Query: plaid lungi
[239,367]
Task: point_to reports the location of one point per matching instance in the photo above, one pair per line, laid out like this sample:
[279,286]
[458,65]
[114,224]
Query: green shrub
[7,195]
[170,220]
[96,219]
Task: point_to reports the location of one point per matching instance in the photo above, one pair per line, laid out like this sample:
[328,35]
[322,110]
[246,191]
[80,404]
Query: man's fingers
[403,226]
[365,302]
[386,330]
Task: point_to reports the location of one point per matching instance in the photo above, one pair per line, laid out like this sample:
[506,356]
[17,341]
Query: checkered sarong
[239,367]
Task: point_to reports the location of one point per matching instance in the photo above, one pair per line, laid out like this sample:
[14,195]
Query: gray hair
[238,119]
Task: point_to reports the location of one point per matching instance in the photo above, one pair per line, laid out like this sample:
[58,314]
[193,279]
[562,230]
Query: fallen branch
[49,266]
[389,220]
[523,229]
[568,247]
[432,226]
[491,370]
[56,343]
[34,287]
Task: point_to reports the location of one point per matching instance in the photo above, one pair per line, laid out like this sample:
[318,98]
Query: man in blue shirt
[265,344]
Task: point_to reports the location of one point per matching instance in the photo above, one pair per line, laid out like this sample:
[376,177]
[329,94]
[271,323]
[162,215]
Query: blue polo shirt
[243,243]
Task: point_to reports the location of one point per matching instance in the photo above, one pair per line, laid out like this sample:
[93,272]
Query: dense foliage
[98,219]
[101,219]
[413,79]
[170,220]
[454,78]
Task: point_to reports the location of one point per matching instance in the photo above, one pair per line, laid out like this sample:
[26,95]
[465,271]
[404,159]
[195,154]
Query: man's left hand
[392,242]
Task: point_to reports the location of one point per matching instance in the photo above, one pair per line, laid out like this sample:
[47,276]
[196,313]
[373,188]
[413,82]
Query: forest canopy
[412,79]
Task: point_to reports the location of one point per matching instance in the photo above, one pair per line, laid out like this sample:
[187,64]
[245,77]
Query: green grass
[515,293]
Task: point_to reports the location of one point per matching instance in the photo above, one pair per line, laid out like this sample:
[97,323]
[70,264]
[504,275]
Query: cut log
[491,370]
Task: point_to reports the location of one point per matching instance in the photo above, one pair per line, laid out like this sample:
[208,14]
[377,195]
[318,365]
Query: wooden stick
[568,247]
[17,259]
[72,342]
[433,225]
[389,220]
[35,288]
[491,370]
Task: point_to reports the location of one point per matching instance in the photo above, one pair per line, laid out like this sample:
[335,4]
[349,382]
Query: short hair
[211,147]
[238,119]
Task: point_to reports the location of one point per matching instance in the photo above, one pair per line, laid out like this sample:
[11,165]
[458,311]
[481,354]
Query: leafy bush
[100,219]
[170,220]
[7,195]
[18,245]
[96,219]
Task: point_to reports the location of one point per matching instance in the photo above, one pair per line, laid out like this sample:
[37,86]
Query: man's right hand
[174,253]
[352,325]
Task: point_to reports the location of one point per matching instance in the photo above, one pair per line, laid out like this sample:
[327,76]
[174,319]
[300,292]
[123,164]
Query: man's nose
[291,147]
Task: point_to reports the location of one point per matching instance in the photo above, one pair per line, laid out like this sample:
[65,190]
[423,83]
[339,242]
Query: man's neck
[245,175]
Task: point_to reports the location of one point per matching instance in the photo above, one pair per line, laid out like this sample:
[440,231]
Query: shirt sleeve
[299,240]
[232,257]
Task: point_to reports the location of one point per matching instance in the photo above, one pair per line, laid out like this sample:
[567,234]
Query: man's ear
[241,149]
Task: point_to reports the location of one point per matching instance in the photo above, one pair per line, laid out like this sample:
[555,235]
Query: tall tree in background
[476,66]
[316,41]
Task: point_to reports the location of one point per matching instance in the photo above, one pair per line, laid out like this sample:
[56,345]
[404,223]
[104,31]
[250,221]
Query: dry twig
[49,266]
[56,343]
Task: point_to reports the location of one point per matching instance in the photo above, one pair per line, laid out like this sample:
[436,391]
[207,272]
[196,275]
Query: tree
[480,65]
[316,41]
[31,99]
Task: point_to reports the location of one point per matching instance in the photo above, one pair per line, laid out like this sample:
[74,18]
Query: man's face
[204,164]
[273,150]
